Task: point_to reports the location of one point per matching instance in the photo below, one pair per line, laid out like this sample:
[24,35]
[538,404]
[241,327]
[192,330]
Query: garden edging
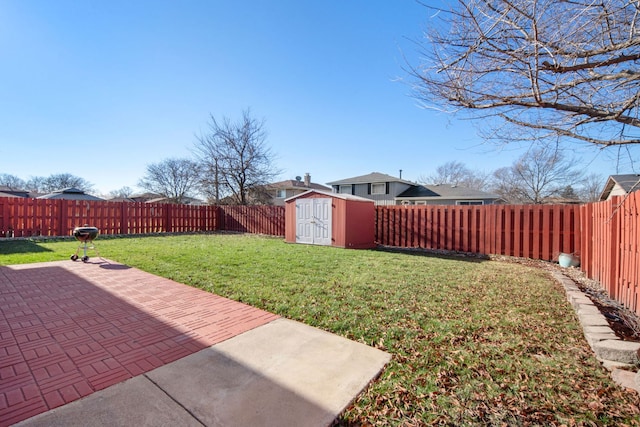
[618,356]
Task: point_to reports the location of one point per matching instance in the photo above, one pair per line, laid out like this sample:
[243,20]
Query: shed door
[313,221]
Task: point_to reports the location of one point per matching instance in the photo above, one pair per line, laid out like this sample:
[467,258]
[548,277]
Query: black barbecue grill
[86,235]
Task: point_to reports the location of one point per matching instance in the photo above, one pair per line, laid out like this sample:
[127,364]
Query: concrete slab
[280,374]
[283,373]
[135,402]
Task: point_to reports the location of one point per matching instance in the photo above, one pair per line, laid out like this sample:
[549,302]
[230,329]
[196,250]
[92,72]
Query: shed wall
[352,222]
[359,225]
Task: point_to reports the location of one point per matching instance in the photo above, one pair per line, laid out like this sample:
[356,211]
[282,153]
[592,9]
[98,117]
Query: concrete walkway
[104,344]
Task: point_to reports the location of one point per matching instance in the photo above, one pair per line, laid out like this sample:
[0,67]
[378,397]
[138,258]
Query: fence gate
[313,221]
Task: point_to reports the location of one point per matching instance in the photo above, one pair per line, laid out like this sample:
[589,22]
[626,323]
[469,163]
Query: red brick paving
[68,329]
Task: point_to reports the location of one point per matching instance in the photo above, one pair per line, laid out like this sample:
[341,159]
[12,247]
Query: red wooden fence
[606,234]
[25,217]
[253,219]
[530,231]
[611,252]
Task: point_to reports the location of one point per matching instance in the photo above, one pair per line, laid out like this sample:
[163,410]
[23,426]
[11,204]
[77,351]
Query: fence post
[63,215]
[167,218]
[123,218]
[614,248]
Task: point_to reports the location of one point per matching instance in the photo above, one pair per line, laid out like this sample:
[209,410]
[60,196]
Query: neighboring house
[156,198]
[559,200]
[71,193]
[275,193]
[389,190]
[9,192]
[446,194]
[186,200]
[142,198]
[620,185]
[380,187]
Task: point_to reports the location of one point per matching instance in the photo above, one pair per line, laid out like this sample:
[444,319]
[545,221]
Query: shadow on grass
[9,247]
[432,253]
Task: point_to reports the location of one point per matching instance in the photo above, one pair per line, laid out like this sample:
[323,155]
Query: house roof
[373,177]
[295,184]
[3,194]
[70,193]
[6,191]
[628,182]
[445,191]
[185,201]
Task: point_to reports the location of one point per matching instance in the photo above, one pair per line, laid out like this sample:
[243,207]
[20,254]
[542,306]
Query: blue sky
[101,89]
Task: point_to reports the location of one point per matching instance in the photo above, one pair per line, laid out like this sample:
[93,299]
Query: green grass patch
[474,342]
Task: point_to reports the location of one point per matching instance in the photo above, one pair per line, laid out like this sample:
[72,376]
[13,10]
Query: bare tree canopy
[235,158]
[550,68]
[56,182]
[591,187]
[538,175]
[173,178]
[12,182]
[122,192]
[456,173]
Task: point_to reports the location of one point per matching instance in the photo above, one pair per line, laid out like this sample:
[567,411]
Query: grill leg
[85,247]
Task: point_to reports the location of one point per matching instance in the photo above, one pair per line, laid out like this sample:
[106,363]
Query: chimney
[307,179]
[400,173]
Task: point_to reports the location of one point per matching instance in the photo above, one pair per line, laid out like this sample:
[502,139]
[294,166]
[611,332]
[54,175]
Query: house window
[469,202]
[379,188]
[281,194]
[345,189]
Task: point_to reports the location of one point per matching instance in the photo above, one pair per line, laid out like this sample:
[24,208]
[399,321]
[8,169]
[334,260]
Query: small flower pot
[568,260]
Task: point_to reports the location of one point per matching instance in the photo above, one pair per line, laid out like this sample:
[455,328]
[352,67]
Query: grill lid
[85,233]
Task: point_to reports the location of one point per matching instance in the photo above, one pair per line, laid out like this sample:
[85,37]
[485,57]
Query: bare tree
[235,158]
[591,187]
[549,68]
[539,174]
[123,192]
[56,182]
[173,178]
[456,173]
[12,181]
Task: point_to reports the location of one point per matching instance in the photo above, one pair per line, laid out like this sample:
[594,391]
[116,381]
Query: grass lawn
[474,342]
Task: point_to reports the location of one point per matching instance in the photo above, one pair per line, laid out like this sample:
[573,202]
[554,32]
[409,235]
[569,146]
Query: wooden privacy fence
[611,247]
[252,219]
[530,231]
[26,217]
[605,234]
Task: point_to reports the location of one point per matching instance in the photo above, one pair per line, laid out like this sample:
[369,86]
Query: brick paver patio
[68,329]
